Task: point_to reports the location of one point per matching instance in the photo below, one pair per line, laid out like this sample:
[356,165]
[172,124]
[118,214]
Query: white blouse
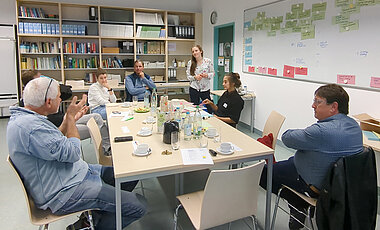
[205,83]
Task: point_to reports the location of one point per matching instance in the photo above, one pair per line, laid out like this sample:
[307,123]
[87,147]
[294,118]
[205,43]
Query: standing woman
[230,104]
[100,94]
[199,71]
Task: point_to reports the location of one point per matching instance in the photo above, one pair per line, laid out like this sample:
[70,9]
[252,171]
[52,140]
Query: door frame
[216,49]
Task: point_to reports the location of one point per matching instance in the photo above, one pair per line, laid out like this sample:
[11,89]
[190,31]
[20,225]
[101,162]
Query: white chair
[97,141]
[273,125]
[41,217]
[229,195]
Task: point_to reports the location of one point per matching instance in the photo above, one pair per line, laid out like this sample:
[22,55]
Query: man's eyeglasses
[47,89]
[319,101]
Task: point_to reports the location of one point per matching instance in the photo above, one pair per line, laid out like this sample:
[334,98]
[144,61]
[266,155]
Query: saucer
[147,122]
[144,134]
[216,134]
[142,154]
[125,105]
[224,153]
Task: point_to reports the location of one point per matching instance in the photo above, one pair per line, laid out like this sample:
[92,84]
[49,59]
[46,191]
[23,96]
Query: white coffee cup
[145,130]
[150,119]
[211,132]
[226,147]
[142,148]
[126,104]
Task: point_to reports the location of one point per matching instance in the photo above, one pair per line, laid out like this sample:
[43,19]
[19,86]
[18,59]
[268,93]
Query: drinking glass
[203,141]
[135,99]
[174,140]
[218,137]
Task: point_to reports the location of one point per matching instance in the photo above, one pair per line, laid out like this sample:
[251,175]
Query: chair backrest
[273,125]
[37,216]
[230,195]
[96,137]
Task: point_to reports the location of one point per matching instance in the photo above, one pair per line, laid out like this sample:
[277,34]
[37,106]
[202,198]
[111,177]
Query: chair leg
[229,226]
[254,222]
[276,208]
[176,216]
[90,220]
[310,217]
[142,188]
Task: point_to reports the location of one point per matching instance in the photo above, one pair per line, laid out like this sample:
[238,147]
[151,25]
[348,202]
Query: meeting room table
[129,167]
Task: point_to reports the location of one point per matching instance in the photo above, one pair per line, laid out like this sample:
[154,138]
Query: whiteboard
[333,41]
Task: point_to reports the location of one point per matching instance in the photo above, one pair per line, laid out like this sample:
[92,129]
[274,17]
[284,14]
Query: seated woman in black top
[230,104]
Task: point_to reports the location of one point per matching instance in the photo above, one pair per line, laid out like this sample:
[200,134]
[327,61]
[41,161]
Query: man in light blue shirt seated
[138,83]
[318,147]
[49,160]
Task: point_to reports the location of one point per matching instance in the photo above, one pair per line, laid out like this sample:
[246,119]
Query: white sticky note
[125,129]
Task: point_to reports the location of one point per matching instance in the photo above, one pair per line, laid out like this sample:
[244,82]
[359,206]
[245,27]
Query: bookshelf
[69,41]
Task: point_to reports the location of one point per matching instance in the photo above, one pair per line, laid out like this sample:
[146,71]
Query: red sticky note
[288,71]
[301,70]
[272,71]
[262,70]
[346,79]
[375,82]
[251,69]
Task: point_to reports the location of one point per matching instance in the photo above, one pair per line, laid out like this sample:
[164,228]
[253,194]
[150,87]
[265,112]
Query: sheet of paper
[125,129]
[196,156]
[301,70]
[288,71]
[272,71]
[346,79]
[251,69]
[375,82]
[119,114]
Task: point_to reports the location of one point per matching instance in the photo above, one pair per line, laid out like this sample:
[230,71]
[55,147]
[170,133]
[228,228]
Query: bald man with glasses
[317,147]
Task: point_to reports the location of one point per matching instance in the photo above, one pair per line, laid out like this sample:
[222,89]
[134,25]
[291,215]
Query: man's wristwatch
[110,90]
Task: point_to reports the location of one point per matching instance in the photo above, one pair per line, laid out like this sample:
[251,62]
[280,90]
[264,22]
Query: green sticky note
[305,22]
[297,29]
[339,3]
[286,30]
[365,2]
[261,14]
[343,18]
[308,32]
[297,7]
[348,26]
[259,27]
[291,15]
[275,26]
[319,7]
[291,24]
[251,28]
[271,33]
[350,9]
[304,14]
[266,26]
[318,15]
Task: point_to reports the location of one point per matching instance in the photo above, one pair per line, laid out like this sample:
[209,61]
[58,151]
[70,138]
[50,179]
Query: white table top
[127,165]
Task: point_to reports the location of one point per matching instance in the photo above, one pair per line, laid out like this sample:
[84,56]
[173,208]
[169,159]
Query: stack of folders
[116,30]
[372,135]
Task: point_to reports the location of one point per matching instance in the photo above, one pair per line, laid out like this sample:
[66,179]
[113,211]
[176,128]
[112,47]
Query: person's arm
[148,81]
[225,119]
[131,88]
[95,95]
[211,72]
[304,139]
[191,77]
[210,103]
[74,112]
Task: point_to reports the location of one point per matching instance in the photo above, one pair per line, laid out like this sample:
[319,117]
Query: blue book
[56,28]
[75,29]
[52,26]
[48,28]
[44,31]
[20,27]
[371,136]
[38,25]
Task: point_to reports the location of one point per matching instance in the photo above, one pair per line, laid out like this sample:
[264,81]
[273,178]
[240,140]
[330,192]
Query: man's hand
[81,112]
[141,75]
[74,108]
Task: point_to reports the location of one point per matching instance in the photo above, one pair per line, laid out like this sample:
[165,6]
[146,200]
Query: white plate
[224,153]
[146,122]
[142,154]
[144,134]
[125,106]
[217,134]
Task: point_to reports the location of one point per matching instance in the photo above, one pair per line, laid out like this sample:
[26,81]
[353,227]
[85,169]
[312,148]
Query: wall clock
[213,17]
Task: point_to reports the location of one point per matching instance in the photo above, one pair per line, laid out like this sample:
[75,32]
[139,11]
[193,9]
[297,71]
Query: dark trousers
[196,97]
[285,172]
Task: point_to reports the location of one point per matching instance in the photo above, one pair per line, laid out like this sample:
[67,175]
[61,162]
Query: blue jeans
[285,172]
[101,109]
[97,191]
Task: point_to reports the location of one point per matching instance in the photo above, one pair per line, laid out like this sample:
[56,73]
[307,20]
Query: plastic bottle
[187,127]
[197,124]
[153,108]
[146,99]
[177,115]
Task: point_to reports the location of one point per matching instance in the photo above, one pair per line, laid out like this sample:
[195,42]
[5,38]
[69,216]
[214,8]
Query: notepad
[371,136]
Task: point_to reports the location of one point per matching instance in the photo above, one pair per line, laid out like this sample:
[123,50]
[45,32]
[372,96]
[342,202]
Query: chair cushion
[268,141]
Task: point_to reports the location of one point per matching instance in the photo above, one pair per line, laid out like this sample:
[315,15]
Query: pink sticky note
[301,70]
[272,71]
[375,82]
[262,70]
[346,79]
[288,71]
[251,69]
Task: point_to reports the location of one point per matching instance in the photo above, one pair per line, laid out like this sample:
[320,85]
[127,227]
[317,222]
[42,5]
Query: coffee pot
[169,127]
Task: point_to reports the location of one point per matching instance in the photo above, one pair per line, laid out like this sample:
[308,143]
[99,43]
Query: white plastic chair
[273,125]
[97,141]
[228,195]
